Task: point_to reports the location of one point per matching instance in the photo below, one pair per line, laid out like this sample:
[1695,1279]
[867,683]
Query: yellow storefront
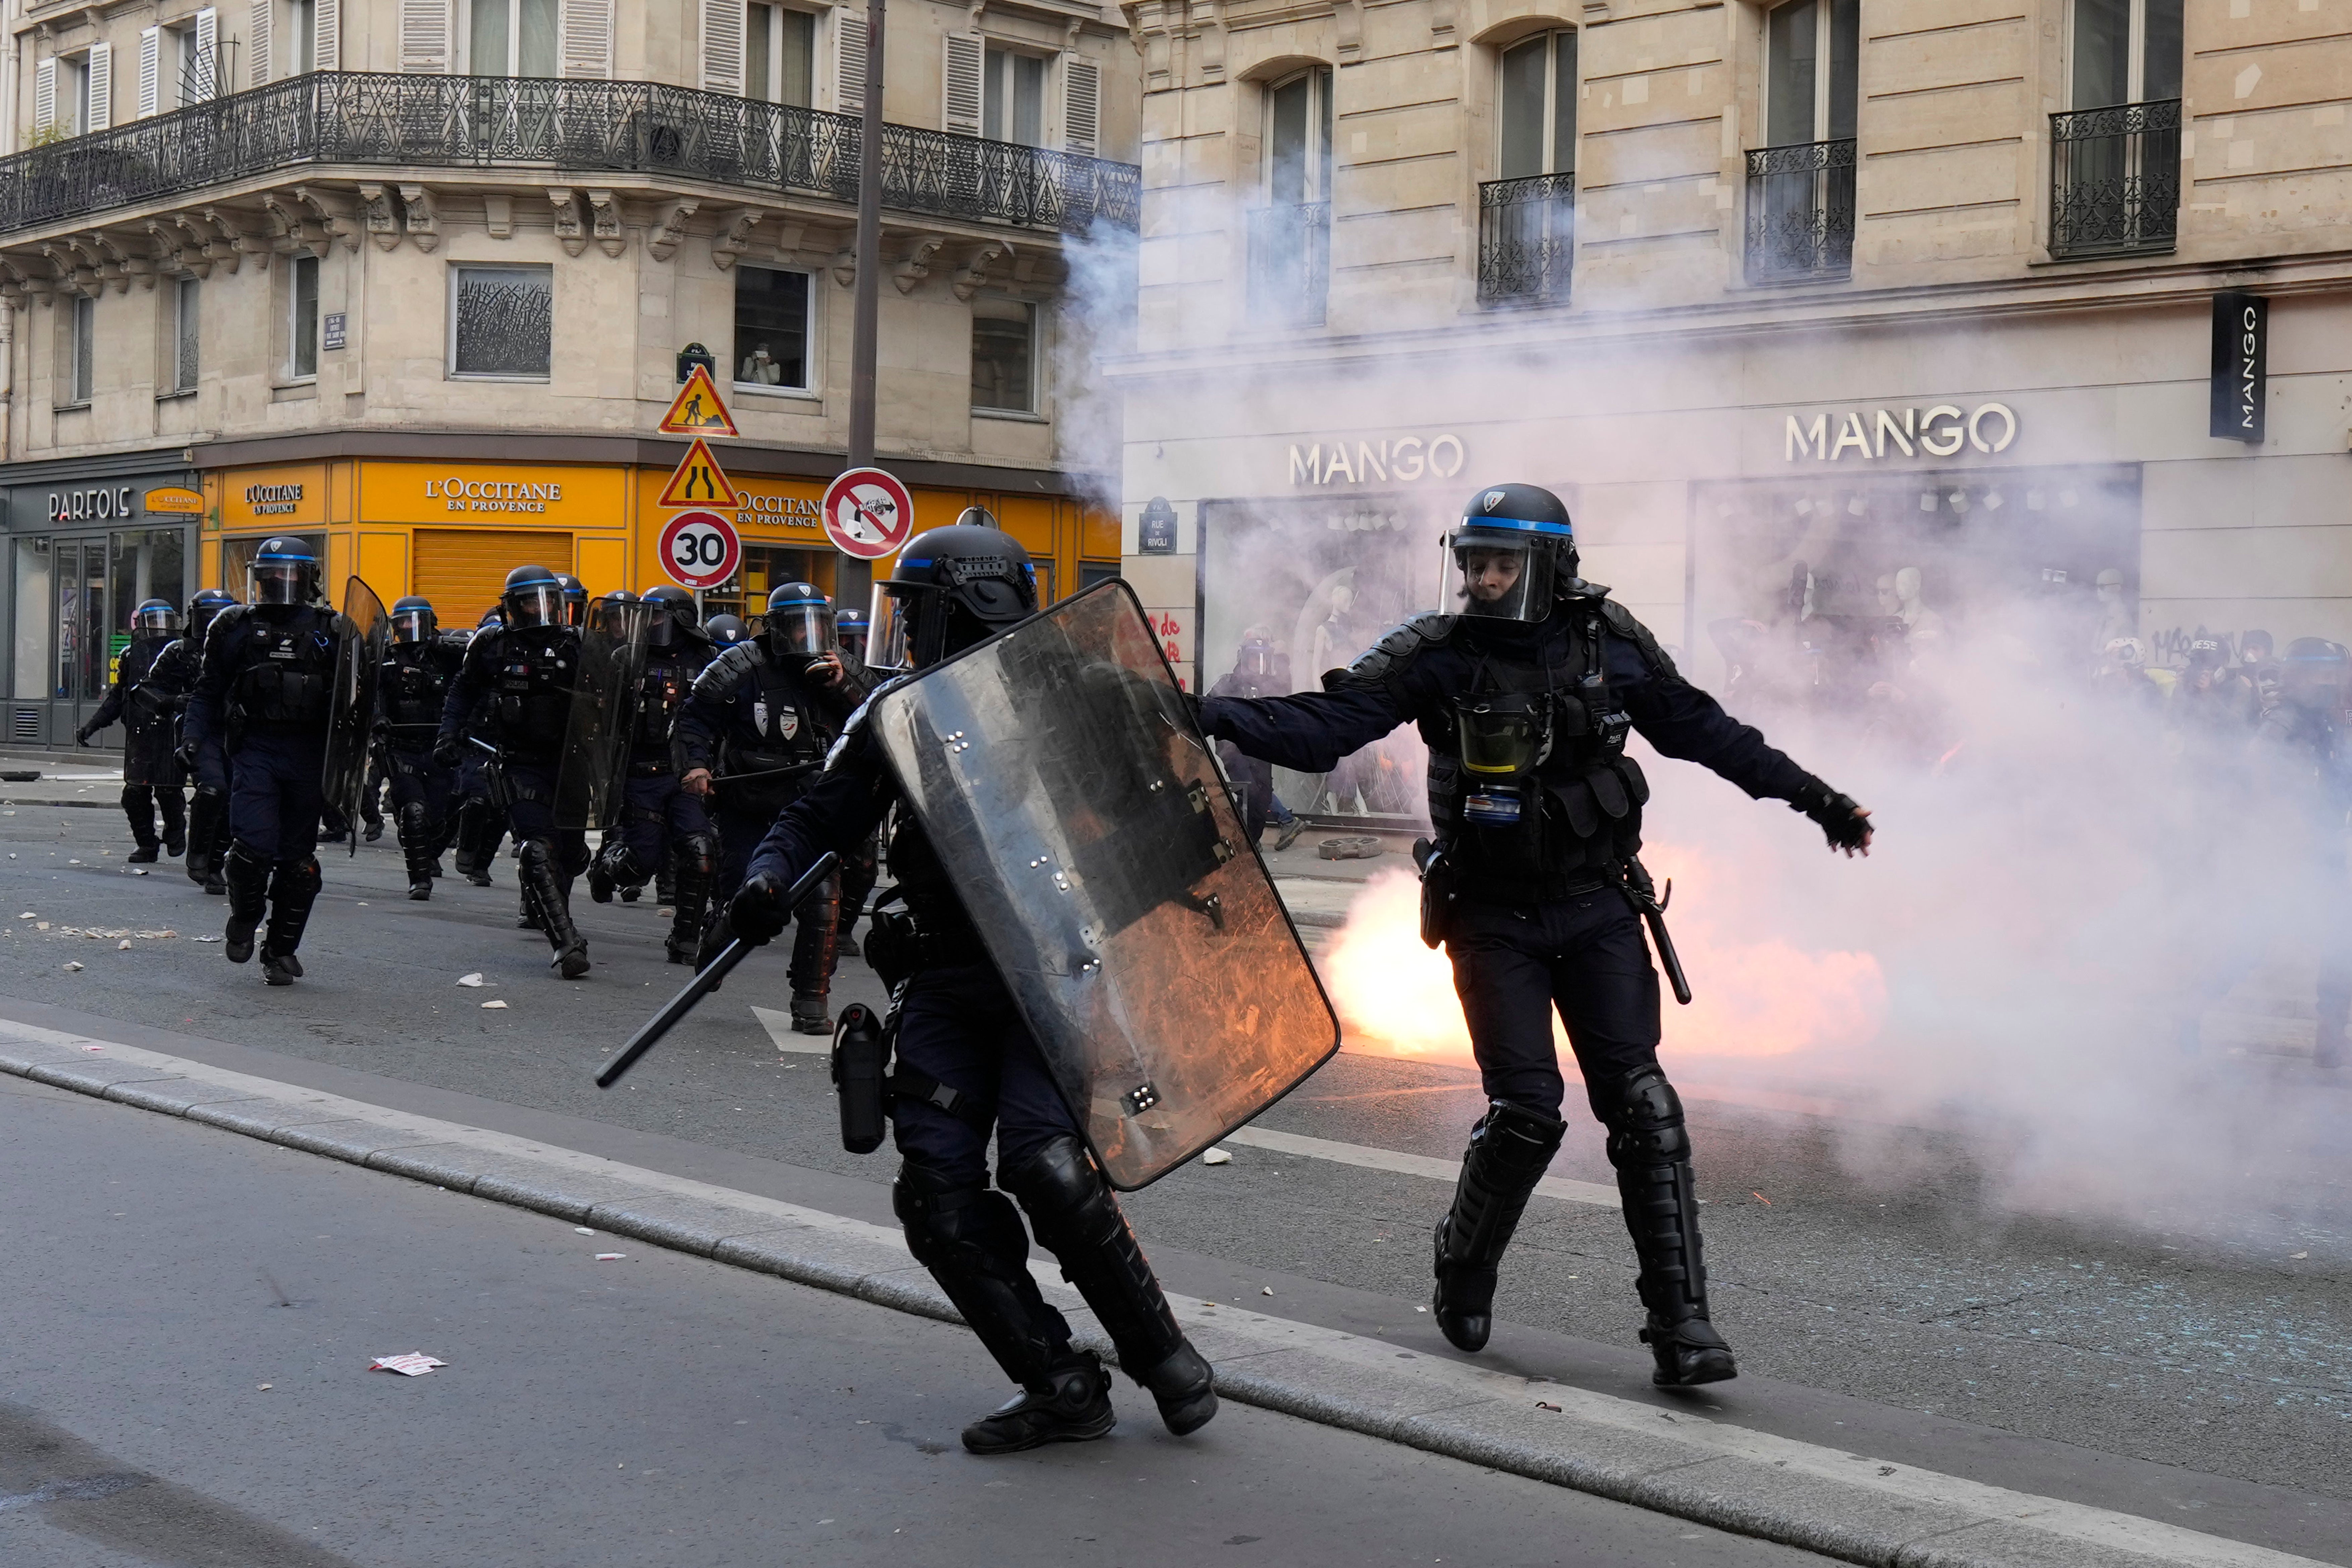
[451,532]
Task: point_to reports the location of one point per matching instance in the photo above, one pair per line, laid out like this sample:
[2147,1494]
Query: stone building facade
[419,277]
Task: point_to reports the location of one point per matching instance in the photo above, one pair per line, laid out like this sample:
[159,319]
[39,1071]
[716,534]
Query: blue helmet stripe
[1521,525]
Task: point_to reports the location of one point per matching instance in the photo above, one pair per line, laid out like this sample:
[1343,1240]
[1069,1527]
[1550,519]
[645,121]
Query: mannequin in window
[759,369]
[1911,609]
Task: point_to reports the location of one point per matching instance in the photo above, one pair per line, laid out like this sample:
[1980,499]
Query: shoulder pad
[1578,588]
[1620,621]
[732,664]
[1396,650]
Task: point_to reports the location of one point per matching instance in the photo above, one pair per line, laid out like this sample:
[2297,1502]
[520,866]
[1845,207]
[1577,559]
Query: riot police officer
[265,692]
[412,686]
[151,767]
[2308,735]
[659,817]
[968,1064]
[525,669]
[1525,697]
[752,732]
[480,826]
[176,669]
[575,600]
[849,633]
[726,631]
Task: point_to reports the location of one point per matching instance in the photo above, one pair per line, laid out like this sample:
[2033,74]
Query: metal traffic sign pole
[866,304]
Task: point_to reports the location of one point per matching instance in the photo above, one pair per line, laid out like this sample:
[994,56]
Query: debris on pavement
[123,946]
[413,1364]
[1265,1290]
[1760,1199]
[582,1230]
[73,966]
[1553,1408]
[1354,846]
[493,1003]
[609,1257]
[29,914]
[1216,1157]
[208,939]
[473,979]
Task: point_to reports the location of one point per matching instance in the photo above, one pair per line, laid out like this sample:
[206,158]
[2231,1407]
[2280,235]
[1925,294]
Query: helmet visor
[156,619]
[1256,662]
[890,643]
[1505,576]
[804,628]
[412,625]
[278,582]
[535,604]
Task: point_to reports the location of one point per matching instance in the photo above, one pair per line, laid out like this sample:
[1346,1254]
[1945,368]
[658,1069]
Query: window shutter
[425,36]
[1081,105]
[101,86]
[151,70]
[587,29]
[327,34]
[257,49]
[962,61]
[45,94]
[723,45]
[849,55]
[203,72]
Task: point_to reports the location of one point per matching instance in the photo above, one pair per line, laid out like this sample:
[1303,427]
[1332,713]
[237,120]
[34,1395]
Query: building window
[1013,101]
[2126,51]
[186,297]
[301,37]
[1290,236]
[771,328]
[1810,50]
[81,349]
[1299,139]
[501,322]
[73,93]
[1800,182]
[511,37]
[1539,107]
[780,55]
[2115,157]
[302,319]
[192,57]
[1003,356]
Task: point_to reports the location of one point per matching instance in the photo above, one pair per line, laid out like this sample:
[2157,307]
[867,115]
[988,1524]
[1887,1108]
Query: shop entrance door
[74,599]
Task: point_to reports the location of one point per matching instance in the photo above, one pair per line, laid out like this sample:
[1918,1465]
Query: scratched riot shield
[362,631]
[595,768]
[1059,775]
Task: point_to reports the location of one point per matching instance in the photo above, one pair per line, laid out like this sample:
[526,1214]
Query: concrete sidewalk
[1850,1506]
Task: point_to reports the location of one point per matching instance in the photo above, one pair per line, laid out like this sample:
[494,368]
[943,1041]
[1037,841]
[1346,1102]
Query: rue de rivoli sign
[1867,434]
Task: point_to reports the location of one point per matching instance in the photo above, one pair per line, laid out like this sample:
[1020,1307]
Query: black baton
[705,983]
[1643,893]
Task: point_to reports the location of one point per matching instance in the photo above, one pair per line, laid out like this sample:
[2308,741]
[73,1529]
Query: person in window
[759,369]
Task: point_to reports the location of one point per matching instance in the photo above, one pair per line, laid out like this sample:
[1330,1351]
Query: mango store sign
[1939,432]
[1399,458]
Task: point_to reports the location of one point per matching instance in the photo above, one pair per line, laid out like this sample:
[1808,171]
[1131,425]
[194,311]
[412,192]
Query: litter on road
[413,1365]
[609,1257]
[582,1230]
[493,1003]
[473,979]
[1216,1157]
[73,966]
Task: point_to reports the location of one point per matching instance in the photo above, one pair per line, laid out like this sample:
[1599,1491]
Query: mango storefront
[452,530]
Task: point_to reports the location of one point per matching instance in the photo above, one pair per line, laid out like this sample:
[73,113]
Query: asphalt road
[191,1321]
[2218,1352]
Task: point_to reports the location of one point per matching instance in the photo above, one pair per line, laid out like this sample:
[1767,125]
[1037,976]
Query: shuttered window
[100,85]
[257,44]
[723,45]
[463,570]
[587,27]
[849,62]
[45,94]
[327,47]
[151,70]
[201,82]
[425,29]
[961,62]
[1081,105]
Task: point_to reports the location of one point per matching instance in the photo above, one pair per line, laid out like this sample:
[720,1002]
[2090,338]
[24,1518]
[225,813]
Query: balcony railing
[1289,264]
[1800,211]
[1527,236]
[2115,179]
[561,128]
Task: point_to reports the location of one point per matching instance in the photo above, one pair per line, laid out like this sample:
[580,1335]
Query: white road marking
[1447,1171]
[779,1029]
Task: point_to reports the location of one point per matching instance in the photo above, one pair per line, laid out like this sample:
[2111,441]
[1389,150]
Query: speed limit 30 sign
[700,549]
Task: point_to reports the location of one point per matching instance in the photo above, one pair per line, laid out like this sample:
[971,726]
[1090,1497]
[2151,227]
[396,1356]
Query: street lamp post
[866,304]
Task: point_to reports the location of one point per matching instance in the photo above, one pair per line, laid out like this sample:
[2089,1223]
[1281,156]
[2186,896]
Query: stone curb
[1845,1506]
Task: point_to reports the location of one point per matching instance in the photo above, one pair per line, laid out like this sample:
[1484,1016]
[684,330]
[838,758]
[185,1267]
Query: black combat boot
[1079,1221]
[174,807]
[293,890]
[1651,1150]
[416,847]
[247,876]
[1509,1149]
[816,926]
[970,1240]
[139,805]
[545,891]
[207,817]
[613,868]
[696,864]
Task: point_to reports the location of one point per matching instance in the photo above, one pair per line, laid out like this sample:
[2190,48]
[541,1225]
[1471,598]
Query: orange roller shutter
[462,570]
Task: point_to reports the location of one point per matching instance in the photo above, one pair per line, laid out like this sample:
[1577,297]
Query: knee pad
[1516,1137]
[536,854]
[1058,1183]
[297,879]
[137,797]
[959,1228]
[699,853]
[1645,1118]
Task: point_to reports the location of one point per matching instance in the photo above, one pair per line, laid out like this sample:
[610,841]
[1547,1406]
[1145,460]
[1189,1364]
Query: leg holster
[207,827]
[139,805]
[293,888]
[694,866]
[1510,1149]
[1079,1221]
[543,891]
[416,844]
[1651,1150]
[970,1240]
[817,927]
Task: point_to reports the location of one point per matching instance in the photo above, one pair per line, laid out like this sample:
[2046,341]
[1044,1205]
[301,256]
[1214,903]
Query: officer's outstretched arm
[846,804]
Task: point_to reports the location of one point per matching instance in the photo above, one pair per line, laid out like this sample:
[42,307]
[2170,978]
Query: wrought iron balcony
[1527,237]
[2115,179]
[1289,264]
[561,128]
[1800,211]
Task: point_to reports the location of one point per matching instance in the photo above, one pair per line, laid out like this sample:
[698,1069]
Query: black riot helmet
[533,597]
[669,607]
[205,608]
[2313,672]
[412,620]
[951,588]
[2254,646]
[1513,551]
[575,599]
[849,630]
[727,630]
[284,570]
[496,615]
[799,623]
[155,618]
[1254,663]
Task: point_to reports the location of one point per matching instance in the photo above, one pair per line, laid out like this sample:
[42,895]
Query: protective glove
[447,751]
[81,737]
[1841,817]
[758,913]
[187,754]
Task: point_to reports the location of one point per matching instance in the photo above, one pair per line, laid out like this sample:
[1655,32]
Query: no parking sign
[700,549]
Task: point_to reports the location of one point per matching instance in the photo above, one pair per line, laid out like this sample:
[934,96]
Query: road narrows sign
[868,514]
[698,480]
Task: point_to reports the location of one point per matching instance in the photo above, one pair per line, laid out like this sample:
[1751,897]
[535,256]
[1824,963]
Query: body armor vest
[783,735]
[661,692]
[531,694]
[1529,786]
[413,685]
[285,669]
[144,699]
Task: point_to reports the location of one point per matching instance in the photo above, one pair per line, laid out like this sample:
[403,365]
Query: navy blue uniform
[146,695]
[412,685]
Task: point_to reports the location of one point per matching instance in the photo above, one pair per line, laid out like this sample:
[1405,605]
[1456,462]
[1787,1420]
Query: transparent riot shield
[595,764]
[1059,775]
[365,629]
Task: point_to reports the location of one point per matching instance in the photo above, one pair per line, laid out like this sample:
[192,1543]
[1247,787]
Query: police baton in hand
[705,983]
